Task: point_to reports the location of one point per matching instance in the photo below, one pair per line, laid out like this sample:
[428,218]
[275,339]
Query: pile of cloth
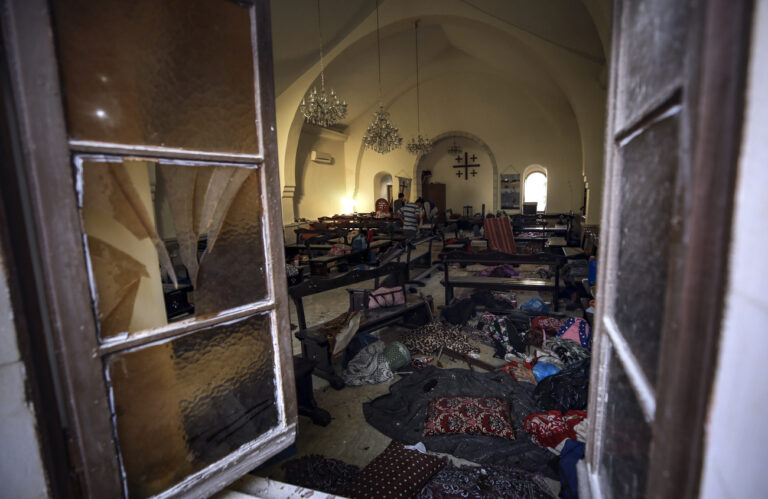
[431,337]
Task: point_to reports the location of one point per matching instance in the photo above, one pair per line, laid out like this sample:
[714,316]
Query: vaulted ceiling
[564,23]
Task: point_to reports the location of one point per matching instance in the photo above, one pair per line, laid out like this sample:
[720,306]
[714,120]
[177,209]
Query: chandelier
[382,136]
[418,145]
[322,109]
[455,149]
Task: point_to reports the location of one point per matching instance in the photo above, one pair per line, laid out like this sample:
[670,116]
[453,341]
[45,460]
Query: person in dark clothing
[399,202]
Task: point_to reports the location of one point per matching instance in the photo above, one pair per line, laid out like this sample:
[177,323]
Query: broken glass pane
[181,405]
[171,241]
[173,73]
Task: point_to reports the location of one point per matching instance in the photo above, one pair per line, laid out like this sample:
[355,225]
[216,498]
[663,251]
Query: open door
[675,105]
[151,176]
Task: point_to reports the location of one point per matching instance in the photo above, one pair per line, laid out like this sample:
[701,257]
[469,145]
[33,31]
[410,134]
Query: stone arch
[483,146]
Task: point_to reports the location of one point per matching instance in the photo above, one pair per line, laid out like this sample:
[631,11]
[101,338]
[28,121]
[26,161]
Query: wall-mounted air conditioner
[321,157]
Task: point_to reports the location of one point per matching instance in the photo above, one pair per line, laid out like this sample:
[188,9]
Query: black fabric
[460,311]
[566,390]
[320,473]
[401,413]
[489,301]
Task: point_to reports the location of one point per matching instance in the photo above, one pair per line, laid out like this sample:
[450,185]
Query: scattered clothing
[520,371]
[551,428]
[505,270]
[567,352]
[320,473]
[395,473]
[506,337]
[429,338]
[401,413]
[368,367]
[459,311]
[573,451]
[578,330]
[474,482]
[548,324]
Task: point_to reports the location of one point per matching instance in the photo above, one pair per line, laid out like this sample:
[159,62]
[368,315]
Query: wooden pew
[554,262]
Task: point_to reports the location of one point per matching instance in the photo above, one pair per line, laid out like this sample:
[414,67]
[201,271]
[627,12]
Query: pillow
[469,415]
[386,297]
[395,473]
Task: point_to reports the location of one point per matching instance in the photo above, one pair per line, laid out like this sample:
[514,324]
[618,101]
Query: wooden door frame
[695,307]
[59,259]
[711,89]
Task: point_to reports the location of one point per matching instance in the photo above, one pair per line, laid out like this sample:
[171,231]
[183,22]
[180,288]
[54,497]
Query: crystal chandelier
[455,149]
[418,145]
[322,109]
[382,136]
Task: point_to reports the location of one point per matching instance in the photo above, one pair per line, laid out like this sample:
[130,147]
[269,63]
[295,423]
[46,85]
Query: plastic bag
[534,305]
[566,390]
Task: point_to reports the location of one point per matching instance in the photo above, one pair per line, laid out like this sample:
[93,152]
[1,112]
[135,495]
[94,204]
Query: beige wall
[319,187]
[458,191]
[518,128]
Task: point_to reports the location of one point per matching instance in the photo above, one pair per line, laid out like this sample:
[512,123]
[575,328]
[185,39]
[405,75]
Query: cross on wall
[467,165]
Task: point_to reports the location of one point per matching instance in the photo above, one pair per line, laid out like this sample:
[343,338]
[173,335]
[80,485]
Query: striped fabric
[498,231]
[410,214]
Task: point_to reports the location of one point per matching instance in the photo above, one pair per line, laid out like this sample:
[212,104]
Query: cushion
[470,416]
[386,297]
[395,473]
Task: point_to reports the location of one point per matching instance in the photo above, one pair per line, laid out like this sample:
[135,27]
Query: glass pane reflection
[181,405]
[626,438]
[173,73]
[649,168]
[168,242]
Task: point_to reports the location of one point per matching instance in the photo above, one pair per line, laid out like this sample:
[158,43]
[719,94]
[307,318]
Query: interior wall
[319,187]
[476,191]
[518,129]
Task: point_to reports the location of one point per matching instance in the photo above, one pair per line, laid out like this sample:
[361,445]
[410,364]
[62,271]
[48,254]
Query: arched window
[535,189]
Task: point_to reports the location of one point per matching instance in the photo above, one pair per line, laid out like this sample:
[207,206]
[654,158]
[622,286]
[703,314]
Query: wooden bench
[320,265]
[415,312]
[554,262]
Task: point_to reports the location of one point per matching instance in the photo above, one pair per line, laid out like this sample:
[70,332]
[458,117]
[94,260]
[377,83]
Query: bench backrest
[497,257]
[395,272]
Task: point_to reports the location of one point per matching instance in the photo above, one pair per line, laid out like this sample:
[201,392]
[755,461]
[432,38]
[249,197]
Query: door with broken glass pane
[672,135]
[169,115]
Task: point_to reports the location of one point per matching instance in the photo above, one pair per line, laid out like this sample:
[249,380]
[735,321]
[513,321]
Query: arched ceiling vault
[556,49]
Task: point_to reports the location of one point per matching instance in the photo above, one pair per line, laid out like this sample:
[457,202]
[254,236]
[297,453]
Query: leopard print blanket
[427,339]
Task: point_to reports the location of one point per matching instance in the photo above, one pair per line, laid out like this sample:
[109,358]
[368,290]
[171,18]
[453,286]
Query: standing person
[430,211]
[411,214]
[398,204]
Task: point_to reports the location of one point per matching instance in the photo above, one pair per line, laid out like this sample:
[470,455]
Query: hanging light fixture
[455,148]
[418,145]
[322,109]
[382,136]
